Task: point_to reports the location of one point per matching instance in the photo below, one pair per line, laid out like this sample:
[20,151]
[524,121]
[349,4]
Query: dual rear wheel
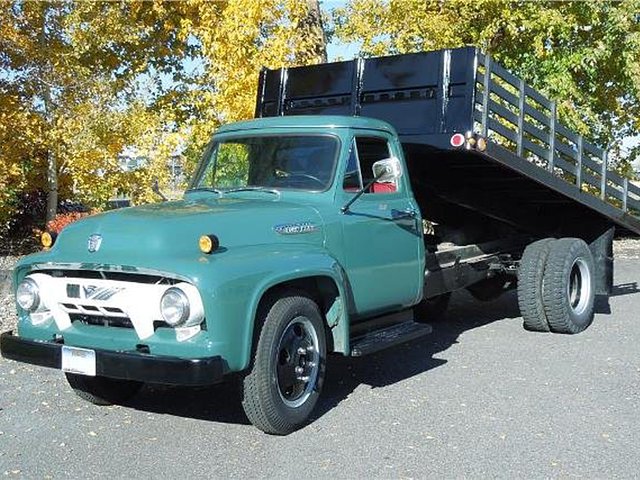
[556,286]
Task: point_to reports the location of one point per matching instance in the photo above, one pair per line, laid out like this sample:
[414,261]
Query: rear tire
[102,390]
[530,278]
[569,286]
[286,379]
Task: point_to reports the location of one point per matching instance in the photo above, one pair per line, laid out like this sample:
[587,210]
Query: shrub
[63,219]
[20,232]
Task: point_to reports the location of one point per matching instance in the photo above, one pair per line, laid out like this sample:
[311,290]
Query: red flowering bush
[63,219]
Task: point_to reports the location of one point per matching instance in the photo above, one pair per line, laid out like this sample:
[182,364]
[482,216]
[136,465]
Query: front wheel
[102,390]
[284,384]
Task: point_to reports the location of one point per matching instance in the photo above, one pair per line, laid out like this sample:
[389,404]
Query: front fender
[231,282]
[239,281]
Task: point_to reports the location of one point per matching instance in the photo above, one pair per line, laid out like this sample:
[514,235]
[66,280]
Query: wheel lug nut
[310,348]
[299,370]
[302,350]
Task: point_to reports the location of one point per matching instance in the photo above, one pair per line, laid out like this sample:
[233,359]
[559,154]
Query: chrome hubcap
[297,362]
[579,286]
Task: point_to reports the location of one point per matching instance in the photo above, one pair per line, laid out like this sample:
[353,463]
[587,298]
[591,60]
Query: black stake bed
[535,175]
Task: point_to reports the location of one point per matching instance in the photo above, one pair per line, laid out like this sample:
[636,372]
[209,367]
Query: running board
[380,339]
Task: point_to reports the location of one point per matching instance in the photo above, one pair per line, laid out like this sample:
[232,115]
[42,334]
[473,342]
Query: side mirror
[387,170]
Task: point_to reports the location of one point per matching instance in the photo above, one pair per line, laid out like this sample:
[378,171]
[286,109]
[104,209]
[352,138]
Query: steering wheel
[304,175]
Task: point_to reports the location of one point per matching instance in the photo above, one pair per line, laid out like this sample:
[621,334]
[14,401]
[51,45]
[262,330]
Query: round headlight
[174,306]
[27,295]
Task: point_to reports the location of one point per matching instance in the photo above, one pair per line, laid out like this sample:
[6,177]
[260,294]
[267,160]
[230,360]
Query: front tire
[102,390]
[284,384]
[569,286]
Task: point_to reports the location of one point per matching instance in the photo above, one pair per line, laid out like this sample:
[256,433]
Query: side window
[365,152]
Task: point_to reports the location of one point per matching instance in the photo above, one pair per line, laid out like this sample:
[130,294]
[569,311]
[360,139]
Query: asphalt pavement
[479,398]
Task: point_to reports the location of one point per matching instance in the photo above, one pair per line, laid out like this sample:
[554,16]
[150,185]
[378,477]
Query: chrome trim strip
[92,267]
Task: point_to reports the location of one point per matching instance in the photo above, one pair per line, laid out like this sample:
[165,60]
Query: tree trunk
[52,167]
[313,25]
[52,186]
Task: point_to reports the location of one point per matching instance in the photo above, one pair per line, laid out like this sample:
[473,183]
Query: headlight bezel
[35,291]
[182,299]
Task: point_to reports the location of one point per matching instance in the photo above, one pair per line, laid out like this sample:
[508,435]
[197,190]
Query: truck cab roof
[309,121]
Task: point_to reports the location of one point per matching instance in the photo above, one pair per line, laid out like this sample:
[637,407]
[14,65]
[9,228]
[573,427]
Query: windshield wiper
[254,189]
[206,189]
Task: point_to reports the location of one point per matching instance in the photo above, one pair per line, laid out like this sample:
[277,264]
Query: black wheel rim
[297,362]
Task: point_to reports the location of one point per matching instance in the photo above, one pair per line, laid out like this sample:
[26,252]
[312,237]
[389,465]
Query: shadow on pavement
[602,304]
[217,403]
[625,289]
[345,374]
[221,403]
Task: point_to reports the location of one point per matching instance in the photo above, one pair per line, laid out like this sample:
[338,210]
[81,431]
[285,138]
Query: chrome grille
[122,322]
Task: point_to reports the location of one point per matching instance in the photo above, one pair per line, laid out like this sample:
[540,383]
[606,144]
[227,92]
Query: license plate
[79,360]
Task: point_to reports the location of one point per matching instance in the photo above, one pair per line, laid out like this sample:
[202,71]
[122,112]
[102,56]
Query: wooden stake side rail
[512,114]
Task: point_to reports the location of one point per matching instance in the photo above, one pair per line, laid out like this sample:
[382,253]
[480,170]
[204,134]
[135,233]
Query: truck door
[382,232]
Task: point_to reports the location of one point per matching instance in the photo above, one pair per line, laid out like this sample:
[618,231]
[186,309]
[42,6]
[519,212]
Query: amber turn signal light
[208,243]
[47,239]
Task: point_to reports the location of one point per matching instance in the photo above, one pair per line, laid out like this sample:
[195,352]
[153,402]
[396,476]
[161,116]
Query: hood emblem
[92,292]
[94,242]
[295,228]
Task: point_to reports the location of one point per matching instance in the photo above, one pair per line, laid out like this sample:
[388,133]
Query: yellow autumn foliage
[238,38]
[585,55]
[83,82]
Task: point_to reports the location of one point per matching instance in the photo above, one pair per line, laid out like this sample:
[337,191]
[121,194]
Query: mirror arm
[345,209]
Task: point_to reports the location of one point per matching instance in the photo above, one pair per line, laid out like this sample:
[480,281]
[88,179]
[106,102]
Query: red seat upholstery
[383,187]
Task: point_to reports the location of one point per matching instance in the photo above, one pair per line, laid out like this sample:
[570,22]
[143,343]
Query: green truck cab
[260,261]
[337,222]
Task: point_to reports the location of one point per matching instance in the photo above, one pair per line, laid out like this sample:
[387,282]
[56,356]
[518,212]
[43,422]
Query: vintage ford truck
[338,221]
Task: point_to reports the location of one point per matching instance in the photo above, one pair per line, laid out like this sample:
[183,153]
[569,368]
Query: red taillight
[457,140]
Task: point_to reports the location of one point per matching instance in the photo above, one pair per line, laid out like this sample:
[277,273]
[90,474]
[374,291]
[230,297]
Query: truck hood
[173,229]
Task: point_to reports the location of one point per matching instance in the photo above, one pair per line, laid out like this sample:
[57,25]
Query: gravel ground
[479,398]
[627,248]
[7,305]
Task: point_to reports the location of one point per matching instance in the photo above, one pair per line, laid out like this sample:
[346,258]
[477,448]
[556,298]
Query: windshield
[302,162]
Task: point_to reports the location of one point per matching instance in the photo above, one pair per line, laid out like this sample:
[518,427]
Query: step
[380,339]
